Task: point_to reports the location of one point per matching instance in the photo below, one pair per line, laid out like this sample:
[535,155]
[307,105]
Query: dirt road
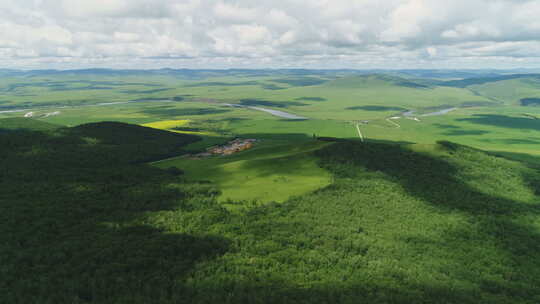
[359,133]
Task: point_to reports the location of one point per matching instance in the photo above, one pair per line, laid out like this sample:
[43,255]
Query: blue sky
[269,34]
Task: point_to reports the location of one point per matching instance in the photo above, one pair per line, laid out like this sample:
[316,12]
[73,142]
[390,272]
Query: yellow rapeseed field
[167,124]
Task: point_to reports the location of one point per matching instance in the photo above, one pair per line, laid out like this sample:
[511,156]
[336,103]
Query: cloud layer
[273,33]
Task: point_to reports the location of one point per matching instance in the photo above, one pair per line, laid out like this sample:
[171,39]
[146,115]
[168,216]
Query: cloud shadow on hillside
[504,121]
[74,222]
[376,108]
[435,181]
[166,111]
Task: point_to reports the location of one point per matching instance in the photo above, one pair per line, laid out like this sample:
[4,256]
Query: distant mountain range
[206,73]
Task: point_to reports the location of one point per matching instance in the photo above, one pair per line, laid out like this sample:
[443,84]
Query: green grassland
[272,171]
[85,219]
[17,123]
[494,129]
[489,114]
[509,91]
[347,96]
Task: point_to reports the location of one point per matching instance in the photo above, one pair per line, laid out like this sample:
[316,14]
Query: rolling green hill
[19,123]
[433,223]
[510,91]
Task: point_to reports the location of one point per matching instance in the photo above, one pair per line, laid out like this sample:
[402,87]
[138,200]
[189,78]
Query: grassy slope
[496,129]
[80,89]
[337,95]
[509,91]
[361,91]
[17,123]
[269,172]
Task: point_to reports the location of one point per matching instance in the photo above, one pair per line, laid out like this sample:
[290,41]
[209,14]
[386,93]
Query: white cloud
[234,13]
[126,37]
[88,8]
[406,20]
[288,37]
[432,52]
[280,19]
[268,33]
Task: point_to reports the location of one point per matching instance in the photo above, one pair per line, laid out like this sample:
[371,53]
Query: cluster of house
[236,145]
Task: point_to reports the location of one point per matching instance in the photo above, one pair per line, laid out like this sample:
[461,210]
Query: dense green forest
[86,220]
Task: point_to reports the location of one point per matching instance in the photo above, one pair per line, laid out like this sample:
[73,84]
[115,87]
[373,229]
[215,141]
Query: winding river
[440,112]
[269,111]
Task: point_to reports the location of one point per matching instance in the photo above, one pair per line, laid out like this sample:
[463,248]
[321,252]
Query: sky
[333,34]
